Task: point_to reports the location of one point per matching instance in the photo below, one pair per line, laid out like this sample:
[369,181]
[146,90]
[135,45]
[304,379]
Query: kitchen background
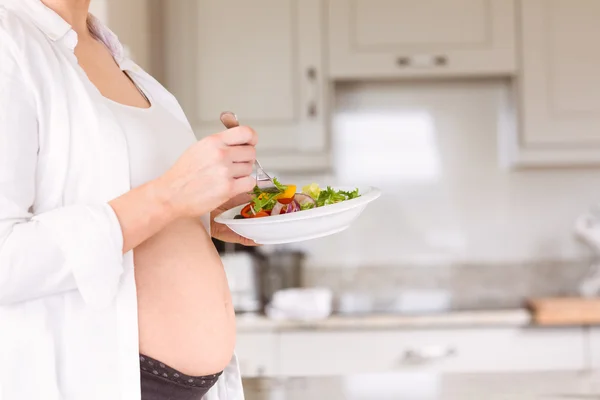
[479,120]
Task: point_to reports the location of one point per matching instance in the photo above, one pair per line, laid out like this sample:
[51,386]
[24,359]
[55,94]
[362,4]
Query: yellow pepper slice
[289,192]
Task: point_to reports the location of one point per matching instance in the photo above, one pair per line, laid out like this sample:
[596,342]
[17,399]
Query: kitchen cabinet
[443,350]
[257,354]
[594,347]
[261,59]
[558,86]
[99,8]
[408,38]
[130,22]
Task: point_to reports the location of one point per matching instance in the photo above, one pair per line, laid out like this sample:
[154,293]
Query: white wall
[432,147]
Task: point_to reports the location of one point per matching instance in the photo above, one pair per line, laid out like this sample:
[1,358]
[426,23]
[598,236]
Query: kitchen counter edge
[454,319]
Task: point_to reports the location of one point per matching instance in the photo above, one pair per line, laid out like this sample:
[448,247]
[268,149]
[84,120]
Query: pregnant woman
[110,286]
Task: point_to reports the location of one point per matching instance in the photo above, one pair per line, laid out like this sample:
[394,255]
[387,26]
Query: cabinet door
[130,21]
[392,38]
[261,59]
[99,8]
[452,350]
[594,346]
[560,82]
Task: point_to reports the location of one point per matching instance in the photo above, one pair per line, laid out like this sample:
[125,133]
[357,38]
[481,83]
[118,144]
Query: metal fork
[263,180]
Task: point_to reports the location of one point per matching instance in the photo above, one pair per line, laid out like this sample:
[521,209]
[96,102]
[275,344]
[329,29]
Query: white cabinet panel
[395,38]
[262,60]
[594,347]
[410,23]
[257,354]
[99,8]
[249,66]
[559,86]
[460,350]
[561,77]
[130,21]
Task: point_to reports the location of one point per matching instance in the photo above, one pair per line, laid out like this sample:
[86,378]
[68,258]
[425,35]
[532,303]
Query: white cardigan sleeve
[71,248]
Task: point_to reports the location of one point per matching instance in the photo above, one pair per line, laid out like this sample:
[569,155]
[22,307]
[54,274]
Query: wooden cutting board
[565,311]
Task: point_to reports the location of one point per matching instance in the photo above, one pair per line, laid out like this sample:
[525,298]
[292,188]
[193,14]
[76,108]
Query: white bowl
[301,225]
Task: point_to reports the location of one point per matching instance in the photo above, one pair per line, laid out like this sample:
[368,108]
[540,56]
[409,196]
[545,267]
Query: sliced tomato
[247,211]
[286,201]
[261,214]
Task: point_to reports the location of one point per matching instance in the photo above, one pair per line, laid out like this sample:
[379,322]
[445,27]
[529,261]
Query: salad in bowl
[284,214]
[284,199]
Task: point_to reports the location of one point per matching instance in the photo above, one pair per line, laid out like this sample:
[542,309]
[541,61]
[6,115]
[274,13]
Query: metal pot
[282,270]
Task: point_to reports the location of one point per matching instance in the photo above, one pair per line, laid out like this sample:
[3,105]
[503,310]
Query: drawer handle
[403,61]
[428,354]
[440,61]
[422,61]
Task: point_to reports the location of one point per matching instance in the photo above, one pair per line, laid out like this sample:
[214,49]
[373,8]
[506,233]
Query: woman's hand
[208,174]
[222,232]
[211,172]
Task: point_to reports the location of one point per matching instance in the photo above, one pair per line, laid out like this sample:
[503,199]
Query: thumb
[248,242]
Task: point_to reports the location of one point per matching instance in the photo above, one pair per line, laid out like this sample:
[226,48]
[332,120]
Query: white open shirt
[68,312]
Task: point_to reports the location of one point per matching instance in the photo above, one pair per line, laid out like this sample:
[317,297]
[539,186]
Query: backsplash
[410,288]
[432,147]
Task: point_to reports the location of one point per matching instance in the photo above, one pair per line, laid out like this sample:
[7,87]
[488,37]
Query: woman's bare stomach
[186,318]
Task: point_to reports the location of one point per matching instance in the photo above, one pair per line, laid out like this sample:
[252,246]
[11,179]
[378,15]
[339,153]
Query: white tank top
[155,138]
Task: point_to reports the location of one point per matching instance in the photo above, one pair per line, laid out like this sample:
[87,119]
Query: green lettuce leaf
[331,196]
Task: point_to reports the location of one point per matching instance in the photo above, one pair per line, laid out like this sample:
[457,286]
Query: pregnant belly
[186,318]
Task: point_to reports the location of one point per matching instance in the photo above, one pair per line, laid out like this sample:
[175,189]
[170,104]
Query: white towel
[300,304]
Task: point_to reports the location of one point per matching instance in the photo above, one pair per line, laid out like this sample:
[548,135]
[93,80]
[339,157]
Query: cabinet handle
[429,354]
[403,61]
[422,61]
[313,110]
[441,60]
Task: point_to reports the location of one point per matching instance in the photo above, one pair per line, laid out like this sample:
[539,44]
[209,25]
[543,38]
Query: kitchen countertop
[431,386]
[516,317]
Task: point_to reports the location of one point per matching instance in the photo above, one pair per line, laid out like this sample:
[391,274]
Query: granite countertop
[431,386]
[515,317]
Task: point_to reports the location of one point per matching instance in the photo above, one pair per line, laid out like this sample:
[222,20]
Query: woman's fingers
[239,136]
[243,185]
[241,169]
[241,154]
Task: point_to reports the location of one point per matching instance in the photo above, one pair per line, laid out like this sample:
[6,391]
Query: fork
[263,181]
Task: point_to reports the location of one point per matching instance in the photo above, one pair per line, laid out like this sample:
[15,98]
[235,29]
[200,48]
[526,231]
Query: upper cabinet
[99,8]
[261,59]
[559,84]
[130,21]
[408,38]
